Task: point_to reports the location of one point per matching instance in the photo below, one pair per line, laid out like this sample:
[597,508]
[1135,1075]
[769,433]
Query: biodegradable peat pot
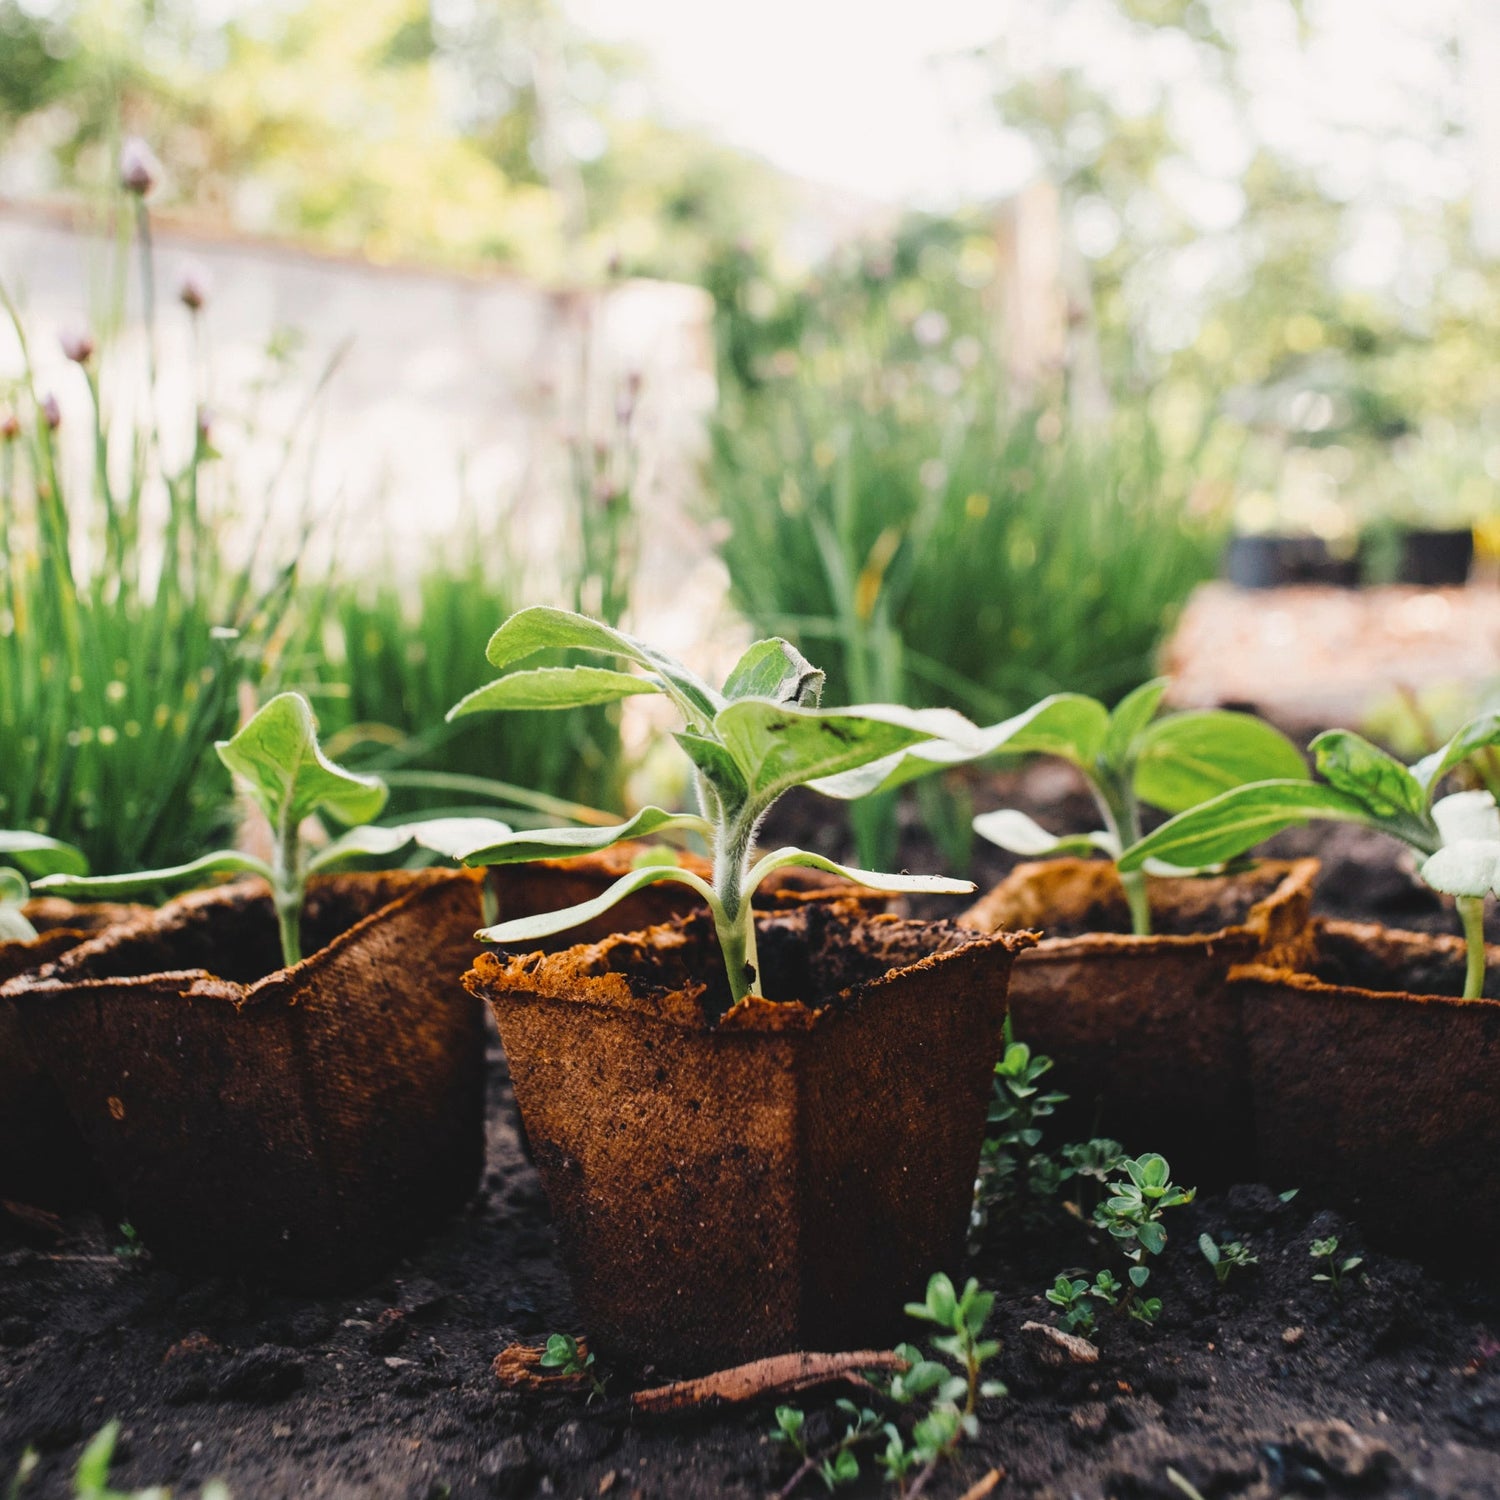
[1145,1031]
[1375,1089]
[783,1178]
[301,1125]
[43,1161]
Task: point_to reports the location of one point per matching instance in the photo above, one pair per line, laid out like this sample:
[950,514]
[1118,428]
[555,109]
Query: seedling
[1225,1258]
[1458,837]
[1335,1266]
[836,1465]
[1131,758]
[750,743]
[277,758]
[33,854]
[91,1478]
[565,1356]
[130,1246]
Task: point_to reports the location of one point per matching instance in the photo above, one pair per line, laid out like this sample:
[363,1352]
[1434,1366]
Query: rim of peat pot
[303,1125]
[1374,1086]
[783,1177]
[1145,1031]
[43,1160]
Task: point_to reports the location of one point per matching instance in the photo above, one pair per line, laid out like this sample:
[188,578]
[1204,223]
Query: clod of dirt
[1344,1454]
[507,1468]
[1055,1348]
[265,1374]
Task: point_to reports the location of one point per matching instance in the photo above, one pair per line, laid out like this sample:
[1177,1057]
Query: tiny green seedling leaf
[1188,758]
[14,924]
[35,854]
[1351,763]
[1013,830]
[554,687]
[568,843]
[776,670]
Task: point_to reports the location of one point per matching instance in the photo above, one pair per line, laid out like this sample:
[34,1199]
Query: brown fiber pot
[1144,1030]
[43,1161]
[1376,1091]
[783,1178]
[301,1125]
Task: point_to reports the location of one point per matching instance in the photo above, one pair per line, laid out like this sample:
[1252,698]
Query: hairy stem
[1471,914]
[736,924]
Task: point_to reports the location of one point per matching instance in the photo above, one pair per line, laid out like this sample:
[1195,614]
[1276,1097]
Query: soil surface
[1269,1386]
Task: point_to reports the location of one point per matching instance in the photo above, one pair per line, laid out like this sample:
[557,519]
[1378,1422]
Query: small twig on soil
[983,1487]
[780,1375]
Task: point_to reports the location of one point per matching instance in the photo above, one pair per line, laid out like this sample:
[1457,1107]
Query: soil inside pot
[1368,959]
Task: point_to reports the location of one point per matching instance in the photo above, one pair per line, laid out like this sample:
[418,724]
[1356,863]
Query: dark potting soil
[1269,1386]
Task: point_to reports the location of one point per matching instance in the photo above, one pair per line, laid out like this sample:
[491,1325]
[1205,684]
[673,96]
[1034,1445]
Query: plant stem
[1471,914]
[735,921]
[286,889]
[1122,817]
[1139,903]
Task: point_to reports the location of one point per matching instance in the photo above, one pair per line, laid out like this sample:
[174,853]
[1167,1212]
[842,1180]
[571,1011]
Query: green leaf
[1140,1275]
[14,927]
[221,862]
[775,669]
[541,628]
[1237,820]
[1065,724]
[553,687]
[1013,830]
[1209,1249]
[1477,734]
[548,924]
[718,767]
[1187,758]
[566,843]
[1129,720]
[37,854]
[278,757]
[779,859]
[452,837]
[778,746]
[1351,763]
[1153,1237]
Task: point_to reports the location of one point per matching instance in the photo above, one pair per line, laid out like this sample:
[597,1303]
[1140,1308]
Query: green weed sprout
[564,1355]
[1335,1266]
[34,854]
[1131,758]
[750,743]
[1458,836]
[1226,1258]
[278,760]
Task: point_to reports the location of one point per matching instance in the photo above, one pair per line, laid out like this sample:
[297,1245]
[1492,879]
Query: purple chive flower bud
[205,425]
[10,427]
[51,411]
[77,344]
[192,291]
[140,171]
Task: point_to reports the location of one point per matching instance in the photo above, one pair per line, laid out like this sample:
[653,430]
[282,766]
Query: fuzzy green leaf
[1129,720]
[775,669]
[1477,734]
[718,767]
[779,859]
[278,756]
[554,687]
[567,843]
[1022,835]
[37,854]
[1351,763]
[221,862]
[1190,757]
[452,837]
[548,924]
[541,628]
[1238,820]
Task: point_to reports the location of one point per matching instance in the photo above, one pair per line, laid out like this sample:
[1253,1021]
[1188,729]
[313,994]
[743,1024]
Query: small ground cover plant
[1335,1267]
[1226,1256]
[1457,837]
[278,760]
[750,742]
[21,854]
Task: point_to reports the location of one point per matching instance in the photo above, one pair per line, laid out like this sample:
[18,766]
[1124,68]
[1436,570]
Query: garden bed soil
[1269,1387]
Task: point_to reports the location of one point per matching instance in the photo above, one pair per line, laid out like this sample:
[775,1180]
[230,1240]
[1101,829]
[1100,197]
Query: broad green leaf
[1128,721]
[719,768]
[278,756]
[453,837]
[1065,724]
[1467,815]
[780,859]
[548,924]
[541,628]
[778,746]
[37,854]
[1188,758]
[1352,764]
[1477,734]
[566,843]
[775,669]
[1238,820]
[1013,830]
[221,862]
[14,928]
[554,687]
[1466,867]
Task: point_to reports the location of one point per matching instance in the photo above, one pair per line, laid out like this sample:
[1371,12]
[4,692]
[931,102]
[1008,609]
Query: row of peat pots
[1428,558]
[783,1177]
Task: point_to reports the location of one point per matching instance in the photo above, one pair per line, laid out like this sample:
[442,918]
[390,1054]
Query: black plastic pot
[1268,562]
[1436,559]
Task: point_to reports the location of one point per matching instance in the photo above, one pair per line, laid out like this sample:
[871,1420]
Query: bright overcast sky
[850,92]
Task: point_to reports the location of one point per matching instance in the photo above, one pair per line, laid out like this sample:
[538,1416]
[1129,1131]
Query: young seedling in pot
[1226,1258]
[750,742]
[36,855]
[1133,759]
[1457,837]
[277,758]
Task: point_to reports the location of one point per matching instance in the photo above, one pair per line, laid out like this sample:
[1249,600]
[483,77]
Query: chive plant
[278,760]
[750,742]
[1456,837]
